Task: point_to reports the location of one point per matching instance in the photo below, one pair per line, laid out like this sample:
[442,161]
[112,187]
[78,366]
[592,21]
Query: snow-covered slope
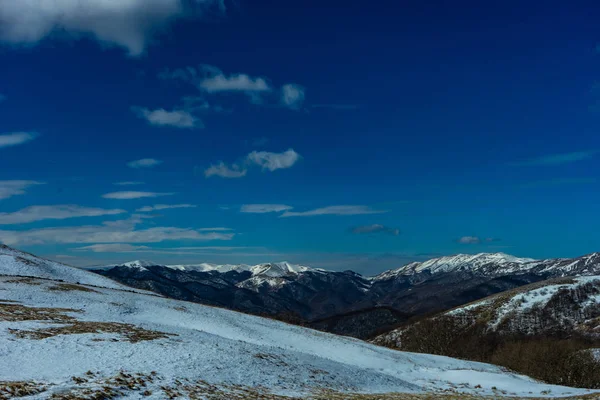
[15,262]
[502,263]
[491,264]
[564,303]
[561,305]
[62,339]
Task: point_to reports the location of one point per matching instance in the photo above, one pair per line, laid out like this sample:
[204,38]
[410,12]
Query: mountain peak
[458,262]
[141,264]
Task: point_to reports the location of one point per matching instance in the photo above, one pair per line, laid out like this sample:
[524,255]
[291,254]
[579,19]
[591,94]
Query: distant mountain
[346,302]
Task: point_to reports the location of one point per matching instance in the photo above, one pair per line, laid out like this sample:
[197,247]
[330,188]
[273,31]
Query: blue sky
[356,137]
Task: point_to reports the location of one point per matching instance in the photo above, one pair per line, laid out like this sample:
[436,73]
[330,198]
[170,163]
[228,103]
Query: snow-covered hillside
[564,303]
[60,338]
[498,264]
[15,262]
[561,305]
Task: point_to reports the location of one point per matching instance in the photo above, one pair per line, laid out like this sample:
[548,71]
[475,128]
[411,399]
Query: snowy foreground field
[86,337]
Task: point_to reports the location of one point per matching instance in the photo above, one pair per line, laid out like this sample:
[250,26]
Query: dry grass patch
[11,390]
[70,287]
[111,388]
[18,312]
[129,332]
[25,280]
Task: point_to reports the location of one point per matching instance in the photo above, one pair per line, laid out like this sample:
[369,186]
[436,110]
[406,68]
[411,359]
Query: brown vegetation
[552,358]
[18,312]
[10,390]
[68,287]
[130,332]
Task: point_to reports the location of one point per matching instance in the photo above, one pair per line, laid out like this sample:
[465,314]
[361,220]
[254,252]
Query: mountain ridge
[346,302]
[81,341]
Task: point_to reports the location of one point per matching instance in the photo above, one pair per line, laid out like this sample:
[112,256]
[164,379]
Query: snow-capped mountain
[61,340]
[482,262]
[346,302]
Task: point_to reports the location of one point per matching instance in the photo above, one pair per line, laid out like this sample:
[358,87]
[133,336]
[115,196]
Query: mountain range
[67,333]
[346,302]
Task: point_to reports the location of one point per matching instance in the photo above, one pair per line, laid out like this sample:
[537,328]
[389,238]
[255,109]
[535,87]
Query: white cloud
[234,83]
[111,248]
[292,96]
[39,213]
[469,240]
[121,231]
[129,183]
[13,188]
[164,207]
[133,195]
[210,80]
[162,117]
[225,171]
[126,23]
[334,210]
[128,248]
[144,163]
[273,161]
[266,160]
[14,139]
[264,208]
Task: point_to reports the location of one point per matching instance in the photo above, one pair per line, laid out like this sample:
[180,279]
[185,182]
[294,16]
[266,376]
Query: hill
[543,329]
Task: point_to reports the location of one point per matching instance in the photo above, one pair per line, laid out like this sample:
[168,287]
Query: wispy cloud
[476,240]
[129,183]
[273,161]
[128,248]
[211,80]
[16,138]
[233,83]
[469,240]
[121,231]
[158,207]
[14,188]
[39,213]
[557,159]
[264,208]
[144,163]
[130,24]
[224,171]
[334,210]
[292,96]
[112,248]
[134,195]
[162,117]
[375,228]
[266,160]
